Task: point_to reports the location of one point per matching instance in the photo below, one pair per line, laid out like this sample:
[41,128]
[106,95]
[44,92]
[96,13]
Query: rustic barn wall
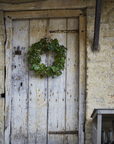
[100,65]
[2,39]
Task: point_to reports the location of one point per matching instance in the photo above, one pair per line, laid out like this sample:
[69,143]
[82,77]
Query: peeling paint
[45,96]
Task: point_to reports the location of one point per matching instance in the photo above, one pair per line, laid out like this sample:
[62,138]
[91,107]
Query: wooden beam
[44,14]
[97,25]
[63,132]
[64,31]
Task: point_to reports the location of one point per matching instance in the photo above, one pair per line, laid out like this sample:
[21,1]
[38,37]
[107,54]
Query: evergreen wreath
[45,46]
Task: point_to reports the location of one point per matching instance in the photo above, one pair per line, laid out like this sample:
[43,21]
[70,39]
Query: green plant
[44,46]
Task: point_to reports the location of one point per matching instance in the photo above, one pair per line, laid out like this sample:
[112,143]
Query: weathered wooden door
[41,111]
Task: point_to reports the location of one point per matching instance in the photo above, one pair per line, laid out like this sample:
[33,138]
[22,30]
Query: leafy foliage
[44,46]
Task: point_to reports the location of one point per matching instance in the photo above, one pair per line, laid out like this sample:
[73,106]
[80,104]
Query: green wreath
[44,46]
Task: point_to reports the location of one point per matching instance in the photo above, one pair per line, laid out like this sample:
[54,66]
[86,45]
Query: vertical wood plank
[82,53]
[56,90]
[37,124]
[19,80]
[8,49]
[72,75]
[1,120]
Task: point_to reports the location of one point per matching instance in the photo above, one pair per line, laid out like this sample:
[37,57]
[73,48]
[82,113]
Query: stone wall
[100,65]
[2,40]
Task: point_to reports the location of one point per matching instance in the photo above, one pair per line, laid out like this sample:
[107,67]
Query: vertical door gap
[48,27]
[66,73]
[28,85]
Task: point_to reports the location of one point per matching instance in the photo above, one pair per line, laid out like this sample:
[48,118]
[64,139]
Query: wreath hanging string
[45,46]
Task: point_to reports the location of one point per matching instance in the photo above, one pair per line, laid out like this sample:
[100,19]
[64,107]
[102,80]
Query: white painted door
[43,111]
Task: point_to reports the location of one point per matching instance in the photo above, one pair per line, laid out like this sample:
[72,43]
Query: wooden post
[82,54]
[8,49]
[99,128]
[97,25]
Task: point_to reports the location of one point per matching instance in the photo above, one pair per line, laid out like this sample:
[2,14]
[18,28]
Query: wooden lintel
[64,31]
[43,14]
[49,4]
[97,25]
[63,132]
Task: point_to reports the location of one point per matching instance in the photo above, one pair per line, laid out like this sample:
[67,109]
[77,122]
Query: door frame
[9,16]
